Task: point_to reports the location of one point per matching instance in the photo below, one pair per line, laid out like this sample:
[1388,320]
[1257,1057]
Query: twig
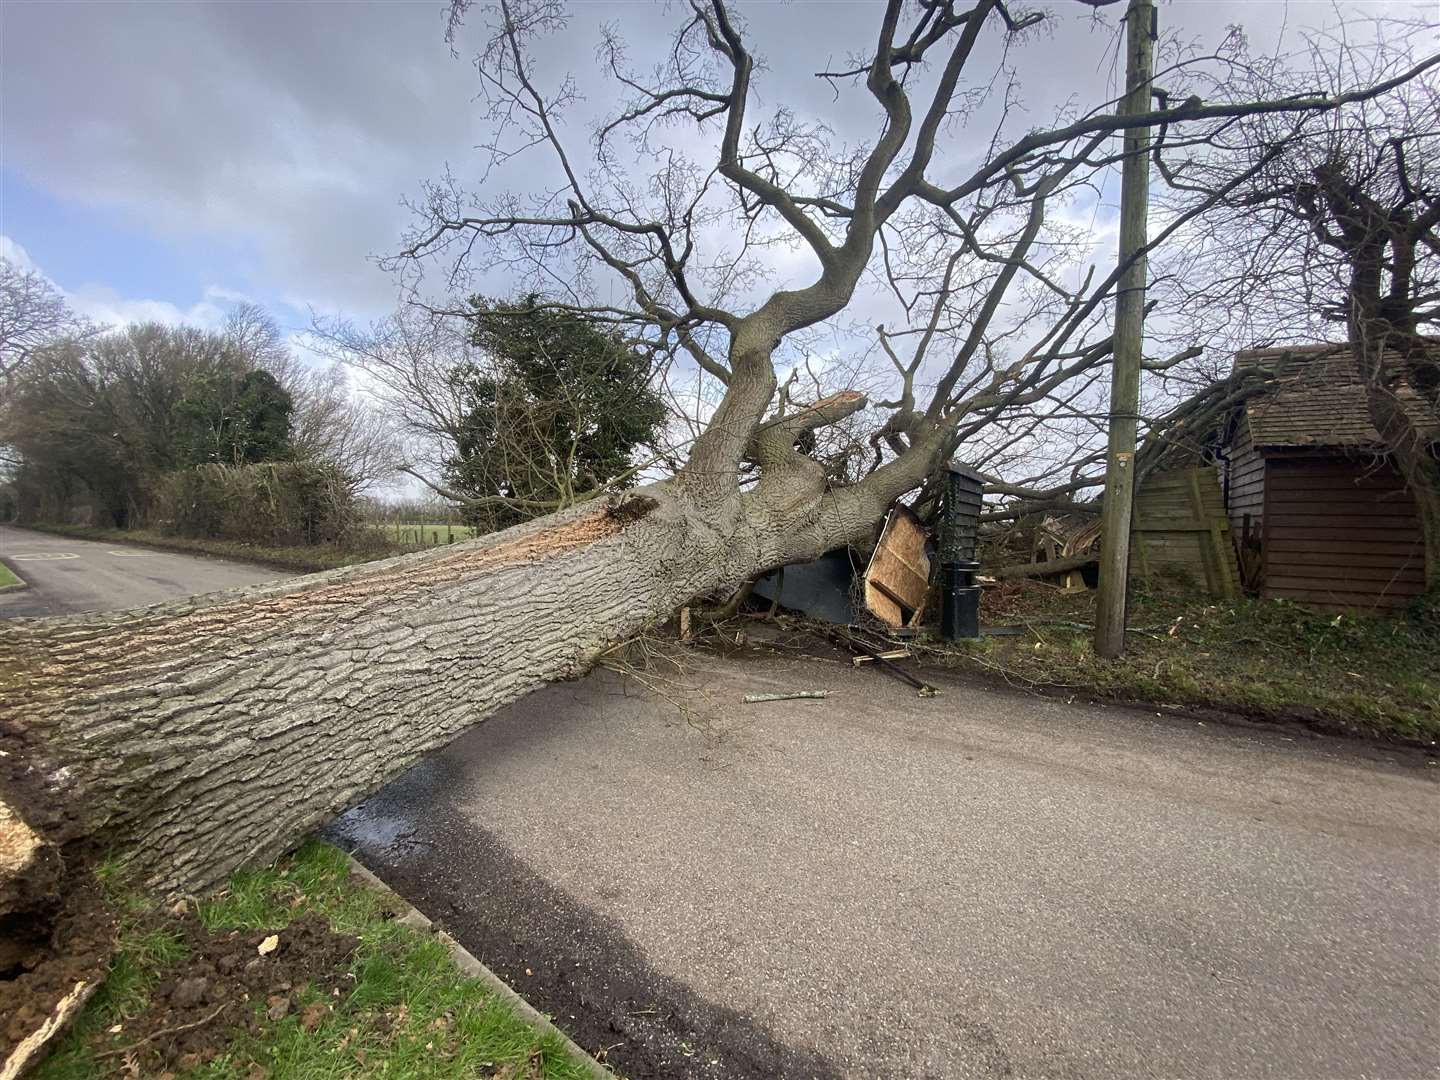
[163,1032]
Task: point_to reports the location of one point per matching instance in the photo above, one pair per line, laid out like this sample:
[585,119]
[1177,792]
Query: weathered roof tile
[1320,400]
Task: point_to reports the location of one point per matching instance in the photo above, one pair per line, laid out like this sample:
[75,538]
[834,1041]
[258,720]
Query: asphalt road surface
[984,884]
[67,576]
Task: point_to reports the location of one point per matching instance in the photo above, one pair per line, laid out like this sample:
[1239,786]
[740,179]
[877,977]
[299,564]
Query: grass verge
[1267,659]
[7,577]
[305,559]
[399,1006]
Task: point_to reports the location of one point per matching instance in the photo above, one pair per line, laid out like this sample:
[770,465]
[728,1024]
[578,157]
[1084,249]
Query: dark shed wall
[1341,533]
[1245,481]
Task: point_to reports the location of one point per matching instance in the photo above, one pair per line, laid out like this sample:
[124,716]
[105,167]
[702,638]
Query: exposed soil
[226,983]
[56,930]
[85,927]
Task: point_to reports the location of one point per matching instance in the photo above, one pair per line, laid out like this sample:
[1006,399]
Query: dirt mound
[28,994]
[231,981]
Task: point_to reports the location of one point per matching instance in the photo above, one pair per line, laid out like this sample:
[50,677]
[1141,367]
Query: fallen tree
[189,739]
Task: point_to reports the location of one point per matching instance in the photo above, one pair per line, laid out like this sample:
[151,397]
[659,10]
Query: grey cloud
[298,126]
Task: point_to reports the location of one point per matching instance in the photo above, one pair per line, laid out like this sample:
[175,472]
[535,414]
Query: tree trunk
[1370,334]
[192,738]
[1410,449]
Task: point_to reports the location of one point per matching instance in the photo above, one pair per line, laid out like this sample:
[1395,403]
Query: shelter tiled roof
[1320,400]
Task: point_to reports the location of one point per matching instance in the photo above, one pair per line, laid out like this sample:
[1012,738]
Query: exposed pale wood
[792,695]
[35,1045]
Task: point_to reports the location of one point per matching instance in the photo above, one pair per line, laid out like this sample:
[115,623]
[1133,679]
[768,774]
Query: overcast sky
[161,159]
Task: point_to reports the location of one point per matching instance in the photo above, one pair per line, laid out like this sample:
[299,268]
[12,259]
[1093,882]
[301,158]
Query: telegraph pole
[1140,31]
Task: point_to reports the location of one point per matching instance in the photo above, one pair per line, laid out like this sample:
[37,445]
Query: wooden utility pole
[1129,336]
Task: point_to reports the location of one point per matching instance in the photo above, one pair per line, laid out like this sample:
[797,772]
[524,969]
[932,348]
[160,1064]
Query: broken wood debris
[923,689]
[755,699]
[893,654]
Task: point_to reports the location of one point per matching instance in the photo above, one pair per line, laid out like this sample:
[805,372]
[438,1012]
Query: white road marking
[43,556]
[133,554]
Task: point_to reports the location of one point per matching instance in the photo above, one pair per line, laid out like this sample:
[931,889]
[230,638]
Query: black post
[959,535]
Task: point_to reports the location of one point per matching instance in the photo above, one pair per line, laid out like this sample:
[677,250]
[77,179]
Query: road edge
[467,962]
[18,584]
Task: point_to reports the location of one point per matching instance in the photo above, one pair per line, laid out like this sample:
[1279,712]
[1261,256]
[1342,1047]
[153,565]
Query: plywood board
[897,581]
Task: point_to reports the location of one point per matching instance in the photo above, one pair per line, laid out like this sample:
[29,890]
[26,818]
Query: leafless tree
[404,364]
[33,314]
[1335,233]
[330,421]
[246,718]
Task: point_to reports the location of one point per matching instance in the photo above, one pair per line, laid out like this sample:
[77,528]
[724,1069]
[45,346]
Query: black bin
[959,536]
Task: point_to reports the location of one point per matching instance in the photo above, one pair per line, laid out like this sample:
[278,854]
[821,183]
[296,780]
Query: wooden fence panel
[1180,525]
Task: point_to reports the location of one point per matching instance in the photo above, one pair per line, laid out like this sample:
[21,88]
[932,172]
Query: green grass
[1265,658]
[440,1025]
[424,535]
[7,577]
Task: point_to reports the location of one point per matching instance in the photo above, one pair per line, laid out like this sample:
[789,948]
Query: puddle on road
[383,824]
[361,829]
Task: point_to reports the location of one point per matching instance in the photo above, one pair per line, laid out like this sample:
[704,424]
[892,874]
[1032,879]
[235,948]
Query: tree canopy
[103,420]
[557,411]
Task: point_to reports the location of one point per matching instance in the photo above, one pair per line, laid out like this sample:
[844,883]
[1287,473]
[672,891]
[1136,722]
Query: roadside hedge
[276,504]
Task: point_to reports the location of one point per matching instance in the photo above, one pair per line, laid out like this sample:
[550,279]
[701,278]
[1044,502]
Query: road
[67,576]
[980,885]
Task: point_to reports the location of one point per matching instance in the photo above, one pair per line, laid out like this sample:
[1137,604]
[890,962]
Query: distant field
[417,534]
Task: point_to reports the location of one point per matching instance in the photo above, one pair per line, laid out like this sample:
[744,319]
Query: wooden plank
[882,607]
[1318,479]
[1320,538]
[1347,574]
[1393,507]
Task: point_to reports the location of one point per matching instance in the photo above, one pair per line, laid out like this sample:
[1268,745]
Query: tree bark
[1409,447]
[190,739]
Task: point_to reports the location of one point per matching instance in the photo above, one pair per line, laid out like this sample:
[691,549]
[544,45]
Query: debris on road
[922,689]
[892,654]
[755,699]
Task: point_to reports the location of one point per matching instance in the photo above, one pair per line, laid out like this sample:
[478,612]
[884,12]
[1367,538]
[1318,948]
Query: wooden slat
[1346,586]
[1323,479]
[1400,523]
[1390,507]
[1338,573]
[1315,556]
[1343,544]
